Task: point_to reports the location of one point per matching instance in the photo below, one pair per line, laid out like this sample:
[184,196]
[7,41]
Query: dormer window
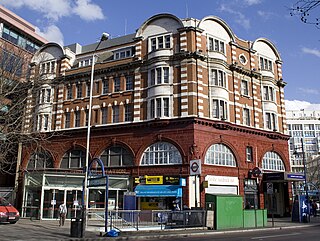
[216,45]
[48,67]
[160,42]
[123,53]
[85,62]
[265,64]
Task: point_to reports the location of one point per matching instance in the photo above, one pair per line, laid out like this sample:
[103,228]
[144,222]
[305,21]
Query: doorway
[52,198]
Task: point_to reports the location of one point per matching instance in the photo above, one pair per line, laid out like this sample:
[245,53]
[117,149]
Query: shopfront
[44,192]
[159,193]
[222,185]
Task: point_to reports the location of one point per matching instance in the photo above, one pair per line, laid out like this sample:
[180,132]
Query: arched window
[219,154]
[272,161]
[40,160]
[73,159]
[161,153]
[117,156]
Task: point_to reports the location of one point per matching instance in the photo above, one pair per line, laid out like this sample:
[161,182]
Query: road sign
[195,167]
[97,182]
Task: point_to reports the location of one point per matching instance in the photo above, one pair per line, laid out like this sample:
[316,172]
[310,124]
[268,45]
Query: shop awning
[158,191]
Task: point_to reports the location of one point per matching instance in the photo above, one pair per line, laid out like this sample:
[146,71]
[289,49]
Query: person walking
[62,214]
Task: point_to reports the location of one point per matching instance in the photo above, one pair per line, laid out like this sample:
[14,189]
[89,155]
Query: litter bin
[76,229]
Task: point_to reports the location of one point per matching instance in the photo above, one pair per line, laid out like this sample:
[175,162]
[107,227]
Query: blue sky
[83,21]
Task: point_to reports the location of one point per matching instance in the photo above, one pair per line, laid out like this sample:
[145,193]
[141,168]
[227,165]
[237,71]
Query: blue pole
[106,207]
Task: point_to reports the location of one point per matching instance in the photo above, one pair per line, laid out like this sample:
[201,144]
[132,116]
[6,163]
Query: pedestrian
[314,207]
[62,214]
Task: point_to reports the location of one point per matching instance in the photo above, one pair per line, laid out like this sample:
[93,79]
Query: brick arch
[28,155]
[115,143]
[73,147]
[159,138]
[227,144]
[278,152]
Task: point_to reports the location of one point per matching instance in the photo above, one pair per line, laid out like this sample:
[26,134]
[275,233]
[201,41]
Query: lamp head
[104,36]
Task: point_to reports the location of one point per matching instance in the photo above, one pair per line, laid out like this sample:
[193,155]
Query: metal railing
[133,220]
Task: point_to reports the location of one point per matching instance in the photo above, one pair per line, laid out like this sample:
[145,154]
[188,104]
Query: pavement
[63,233]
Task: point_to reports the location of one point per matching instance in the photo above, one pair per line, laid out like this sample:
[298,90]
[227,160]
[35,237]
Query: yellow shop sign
[154,179]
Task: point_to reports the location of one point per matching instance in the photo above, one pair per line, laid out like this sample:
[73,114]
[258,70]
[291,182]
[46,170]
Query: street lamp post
[85,187]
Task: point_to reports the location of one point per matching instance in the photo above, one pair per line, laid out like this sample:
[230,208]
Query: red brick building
[177,91]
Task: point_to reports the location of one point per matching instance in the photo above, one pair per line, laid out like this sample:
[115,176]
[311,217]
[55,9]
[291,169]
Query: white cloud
[88,11]
[309,91]
[298,105]
[252,2]
[240,18]
[315,52]
[266,15]
[52,33]
[56,9]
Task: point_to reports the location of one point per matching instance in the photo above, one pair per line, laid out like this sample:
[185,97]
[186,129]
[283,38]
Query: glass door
[52,199]
[74,203]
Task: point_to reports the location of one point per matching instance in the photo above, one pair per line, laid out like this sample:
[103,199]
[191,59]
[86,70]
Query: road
[28,230]
[297,234]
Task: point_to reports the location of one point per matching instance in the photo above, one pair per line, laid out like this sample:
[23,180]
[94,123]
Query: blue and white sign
[304,208]
[295,177]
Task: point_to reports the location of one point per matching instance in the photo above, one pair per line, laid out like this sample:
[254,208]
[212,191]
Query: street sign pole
[195,170]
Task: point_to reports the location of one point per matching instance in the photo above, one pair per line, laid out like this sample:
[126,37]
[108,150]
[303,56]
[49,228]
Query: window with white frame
[159,75]
[161,153]
[249,154]
[271,121]
[220,154]
[104,115]
[48,67]
[265,64]
[67,120]
[273,162]
[129,82]
[79,90]
[245,87]
[246,116]
[105,86]
[219,109]
[160,42]
[268,93]
[116,156]
[69,92]
[42,122]
[77,118]
[115,114]
[45,95]
[85,62]
[116,84]
[159,107]
[128,112]
[45,122]
[73,159]
[218,78]
[216,45]
[123,53]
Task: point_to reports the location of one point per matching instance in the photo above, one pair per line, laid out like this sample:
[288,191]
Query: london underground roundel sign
[195,167]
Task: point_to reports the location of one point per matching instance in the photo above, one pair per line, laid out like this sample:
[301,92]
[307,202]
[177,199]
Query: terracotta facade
[194,85]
